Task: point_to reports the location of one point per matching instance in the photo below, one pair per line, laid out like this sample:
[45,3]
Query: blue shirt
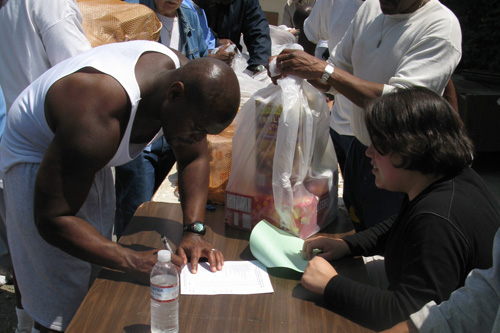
[192,42]
[209,37]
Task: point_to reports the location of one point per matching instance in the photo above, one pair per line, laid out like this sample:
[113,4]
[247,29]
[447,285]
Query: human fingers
[310,245]
[317,275]
[182,254]
[178,262]
[215,259]
[225,41]
[195,258]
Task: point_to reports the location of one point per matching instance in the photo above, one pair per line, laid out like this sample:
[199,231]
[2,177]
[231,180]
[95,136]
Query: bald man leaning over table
[86,114]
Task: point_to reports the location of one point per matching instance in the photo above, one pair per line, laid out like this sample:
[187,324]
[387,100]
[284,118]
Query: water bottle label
[164,293]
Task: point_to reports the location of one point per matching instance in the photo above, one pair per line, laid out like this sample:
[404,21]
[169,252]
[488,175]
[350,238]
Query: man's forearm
[78,238]
[193,189]
[358,91]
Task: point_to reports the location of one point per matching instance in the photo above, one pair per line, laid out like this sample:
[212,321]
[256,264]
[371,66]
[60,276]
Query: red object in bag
[284,167]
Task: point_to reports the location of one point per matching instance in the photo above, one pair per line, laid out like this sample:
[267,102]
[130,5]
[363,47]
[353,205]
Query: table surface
[117,303]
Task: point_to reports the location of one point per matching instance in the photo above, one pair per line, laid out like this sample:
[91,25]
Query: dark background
[480,23]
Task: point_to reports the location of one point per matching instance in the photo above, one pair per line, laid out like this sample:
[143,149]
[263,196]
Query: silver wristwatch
[327,72]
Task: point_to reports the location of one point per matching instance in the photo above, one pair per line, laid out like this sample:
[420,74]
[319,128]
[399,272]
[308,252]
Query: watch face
[198,227]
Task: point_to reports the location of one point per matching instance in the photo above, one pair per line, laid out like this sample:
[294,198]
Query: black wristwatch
[196,228]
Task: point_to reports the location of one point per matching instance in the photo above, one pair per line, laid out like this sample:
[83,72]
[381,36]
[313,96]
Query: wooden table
[117,303]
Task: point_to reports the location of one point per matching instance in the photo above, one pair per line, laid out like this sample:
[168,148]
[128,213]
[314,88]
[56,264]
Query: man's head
[203,99]
[391,7]
[167,7]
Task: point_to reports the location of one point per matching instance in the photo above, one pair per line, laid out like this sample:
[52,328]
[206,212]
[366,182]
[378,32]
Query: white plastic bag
[284,167]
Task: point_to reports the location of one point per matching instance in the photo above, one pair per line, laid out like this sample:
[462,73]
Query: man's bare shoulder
[86,95]
[88,112]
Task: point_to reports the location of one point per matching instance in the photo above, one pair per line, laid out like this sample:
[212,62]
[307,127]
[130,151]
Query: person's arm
[193,168]
[371,241]
[256,34]
[414,69]
[207,32]
[223,55]
[472,308]
[196,24]
[431,268]
[63,35]
[85,113]
[306,66]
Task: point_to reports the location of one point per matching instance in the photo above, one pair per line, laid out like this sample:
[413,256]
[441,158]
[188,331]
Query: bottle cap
[164,255]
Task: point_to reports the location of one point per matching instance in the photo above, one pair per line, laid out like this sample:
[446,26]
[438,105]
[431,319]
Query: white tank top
[27,135]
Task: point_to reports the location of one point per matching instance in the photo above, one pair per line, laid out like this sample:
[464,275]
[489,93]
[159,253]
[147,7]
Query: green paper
[274,247]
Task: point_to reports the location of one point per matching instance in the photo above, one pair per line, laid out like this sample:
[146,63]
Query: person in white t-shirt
[35,36]
[389,44]
[329,21]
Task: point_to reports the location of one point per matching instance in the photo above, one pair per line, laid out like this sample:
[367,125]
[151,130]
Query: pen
[165,243]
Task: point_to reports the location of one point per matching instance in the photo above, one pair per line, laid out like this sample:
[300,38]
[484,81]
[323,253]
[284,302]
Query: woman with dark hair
[444,229]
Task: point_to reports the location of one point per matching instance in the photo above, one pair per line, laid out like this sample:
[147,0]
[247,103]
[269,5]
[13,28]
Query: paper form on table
[277,248]
[236,277]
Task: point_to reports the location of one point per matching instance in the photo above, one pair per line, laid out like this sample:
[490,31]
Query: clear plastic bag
[284,167]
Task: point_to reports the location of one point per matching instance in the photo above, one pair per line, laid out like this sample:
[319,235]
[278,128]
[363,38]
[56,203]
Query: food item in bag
[267,121]
[254,197]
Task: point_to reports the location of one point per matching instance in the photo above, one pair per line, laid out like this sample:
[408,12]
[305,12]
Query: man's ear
[176,91]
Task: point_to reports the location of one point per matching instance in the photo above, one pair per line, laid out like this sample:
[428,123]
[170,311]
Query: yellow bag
[110,21]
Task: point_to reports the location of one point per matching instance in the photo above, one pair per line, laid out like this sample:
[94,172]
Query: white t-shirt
[36,35]
[169,31]
[329,21]
[422,48]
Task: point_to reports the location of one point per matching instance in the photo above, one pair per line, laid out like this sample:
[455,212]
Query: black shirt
[429,249]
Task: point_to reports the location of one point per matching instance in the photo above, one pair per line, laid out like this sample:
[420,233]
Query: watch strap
[196,227]
[327,72]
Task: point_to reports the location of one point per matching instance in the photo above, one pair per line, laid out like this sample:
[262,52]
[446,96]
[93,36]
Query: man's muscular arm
[87,113]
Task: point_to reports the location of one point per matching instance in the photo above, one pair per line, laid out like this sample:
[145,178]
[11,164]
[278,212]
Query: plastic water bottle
[164,295]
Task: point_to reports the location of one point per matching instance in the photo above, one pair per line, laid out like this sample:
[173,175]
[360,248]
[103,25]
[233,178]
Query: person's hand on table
[317,274]
[319,271]
[330,248]
[195,247]
[141,263]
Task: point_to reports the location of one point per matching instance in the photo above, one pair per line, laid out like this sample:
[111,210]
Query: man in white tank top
[65,131]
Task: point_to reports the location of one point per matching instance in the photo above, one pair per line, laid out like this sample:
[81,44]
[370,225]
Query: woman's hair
[420,127]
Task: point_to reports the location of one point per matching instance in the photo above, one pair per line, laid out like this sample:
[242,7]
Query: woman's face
[387,176]
[167,7]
